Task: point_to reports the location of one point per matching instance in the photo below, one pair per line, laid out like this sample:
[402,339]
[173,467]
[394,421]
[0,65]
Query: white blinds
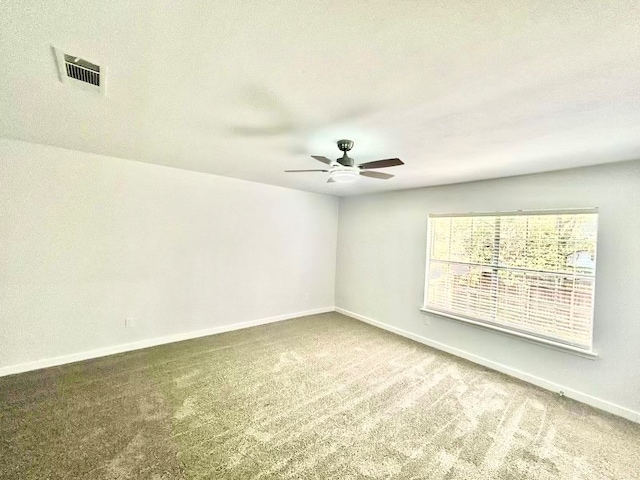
[531,272]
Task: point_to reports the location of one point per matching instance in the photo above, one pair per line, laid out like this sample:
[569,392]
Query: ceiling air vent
[77,71]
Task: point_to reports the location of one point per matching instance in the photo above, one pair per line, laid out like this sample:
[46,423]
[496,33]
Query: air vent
[82,70]
[77,71]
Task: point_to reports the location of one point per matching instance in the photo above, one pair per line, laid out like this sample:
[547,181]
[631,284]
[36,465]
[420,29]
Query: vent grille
[79,73]
[82,70]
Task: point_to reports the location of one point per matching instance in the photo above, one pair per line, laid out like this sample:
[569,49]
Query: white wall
[381,263]
[87,240]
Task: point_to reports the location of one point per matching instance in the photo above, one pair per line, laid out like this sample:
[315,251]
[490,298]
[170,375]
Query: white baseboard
[151,342]
[540,382]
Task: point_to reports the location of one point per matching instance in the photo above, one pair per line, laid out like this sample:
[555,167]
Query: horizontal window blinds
[531,272]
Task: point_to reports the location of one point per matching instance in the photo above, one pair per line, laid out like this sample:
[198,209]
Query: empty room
[319,239]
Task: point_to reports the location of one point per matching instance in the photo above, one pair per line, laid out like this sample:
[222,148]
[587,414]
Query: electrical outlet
[129,322]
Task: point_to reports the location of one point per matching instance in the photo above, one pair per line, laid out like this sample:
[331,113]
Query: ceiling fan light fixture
[343,169]
[344,175]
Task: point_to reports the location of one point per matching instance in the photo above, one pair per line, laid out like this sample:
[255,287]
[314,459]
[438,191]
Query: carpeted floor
[316,397]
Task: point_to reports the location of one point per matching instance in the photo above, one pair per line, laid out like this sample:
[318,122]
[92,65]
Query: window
[528,273]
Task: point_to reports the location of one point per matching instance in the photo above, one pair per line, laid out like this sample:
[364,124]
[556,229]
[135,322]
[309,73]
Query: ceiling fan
[344,170]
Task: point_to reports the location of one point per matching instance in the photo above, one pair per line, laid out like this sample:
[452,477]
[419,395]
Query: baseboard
[540,382]
[152,342]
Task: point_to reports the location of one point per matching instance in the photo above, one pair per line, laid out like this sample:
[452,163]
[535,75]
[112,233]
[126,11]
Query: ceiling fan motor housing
[345,160]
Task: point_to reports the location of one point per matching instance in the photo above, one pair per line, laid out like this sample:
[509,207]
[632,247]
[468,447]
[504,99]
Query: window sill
[590,354]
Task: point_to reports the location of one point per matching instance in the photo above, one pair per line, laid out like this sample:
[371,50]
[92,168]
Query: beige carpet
[316,397]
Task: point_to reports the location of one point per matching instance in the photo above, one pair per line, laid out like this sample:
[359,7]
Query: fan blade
[288,171]
[380,175]
[387,162]
[322,159]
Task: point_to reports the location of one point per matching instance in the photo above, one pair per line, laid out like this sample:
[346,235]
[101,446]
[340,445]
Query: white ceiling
[459,90]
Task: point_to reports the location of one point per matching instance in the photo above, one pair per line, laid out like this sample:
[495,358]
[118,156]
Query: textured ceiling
[459,90]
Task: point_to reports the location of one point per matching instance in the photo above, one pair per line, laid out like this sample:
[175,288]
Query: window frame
[485,324]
